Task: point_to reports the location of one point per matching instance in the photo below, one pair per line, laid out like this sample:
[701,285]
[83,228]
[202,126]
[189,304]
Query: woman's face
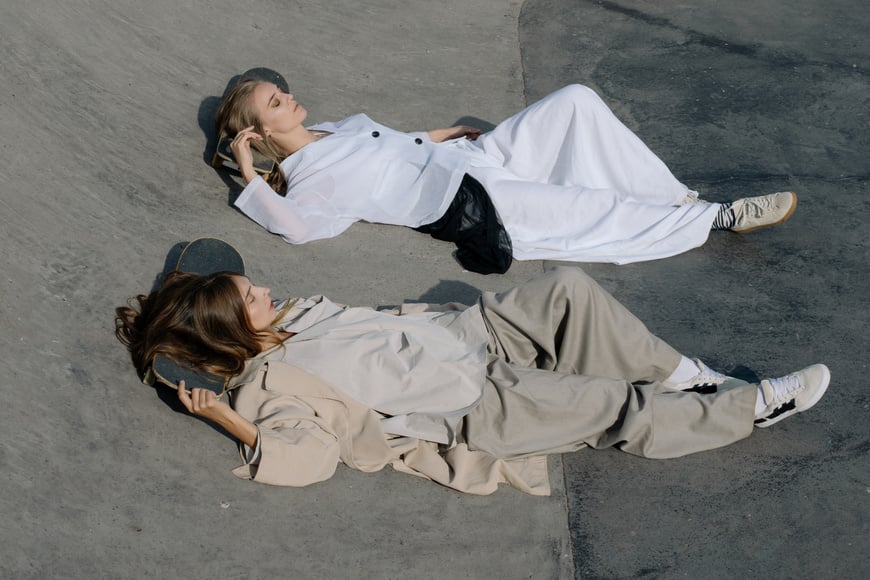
[277,111]
[258,303]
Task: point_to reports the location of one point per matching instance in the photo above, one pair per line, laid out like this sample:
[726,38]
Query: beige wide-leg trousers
[569,366]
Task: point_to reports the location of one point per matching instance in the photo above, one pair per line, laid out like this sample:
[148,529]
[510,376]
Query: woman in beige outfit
[468,397]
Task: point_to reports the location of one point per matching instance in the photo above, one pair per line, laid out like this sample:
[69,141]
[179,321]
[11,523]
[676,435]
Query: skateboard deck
[223,157]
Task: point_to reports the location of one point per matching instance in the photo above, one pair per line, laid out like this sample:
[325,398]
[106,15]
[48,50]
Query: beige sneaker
[692,198]
[764,211]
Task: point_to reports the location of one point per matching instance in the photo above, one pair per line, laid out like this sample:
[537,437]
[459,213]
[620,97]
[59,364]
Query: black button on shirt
[376,133]
[418,141]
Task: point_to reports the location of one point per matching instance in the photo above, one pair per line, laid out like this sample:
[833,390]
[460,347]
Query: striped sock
[725,219]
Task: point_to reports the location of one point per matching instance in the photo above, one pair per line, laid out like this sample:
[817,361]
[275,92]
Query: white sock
[760,405]
[685,371]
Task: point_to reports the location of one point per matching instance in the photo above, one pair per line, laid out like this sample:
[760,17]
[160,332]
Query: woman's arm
[296,223]
[439,135]
[297,447]
[204,403]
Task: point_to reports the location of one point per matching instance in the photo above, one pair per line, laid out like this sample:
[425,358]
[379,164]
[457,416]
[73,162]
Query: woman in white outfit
[565,178]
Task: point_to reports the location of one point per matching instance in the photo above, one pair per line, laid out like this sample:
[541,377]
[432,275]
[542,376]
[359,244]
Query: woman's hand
[241,148]
[440,135]
[204,403]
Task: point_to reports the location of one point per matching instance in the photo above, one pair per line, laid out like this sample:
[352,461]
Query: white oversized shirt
[421,371]
[363,171]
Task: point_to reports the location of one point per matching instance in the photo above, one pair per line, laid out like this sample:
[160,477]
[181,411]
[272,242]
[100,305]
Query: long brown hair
[197,321]
[235,113]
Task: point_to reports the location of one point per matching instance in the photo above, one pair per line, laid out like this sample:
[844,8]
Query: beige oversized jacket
[307,427]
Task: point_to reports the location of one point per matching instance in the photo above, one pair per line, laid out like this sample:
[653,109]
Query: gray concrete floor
[104,128]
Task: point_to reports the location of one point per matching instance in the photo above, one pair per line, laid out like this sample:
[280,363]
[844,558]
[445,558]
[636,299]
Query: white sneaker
[706,381]
[764,211]
[785,396]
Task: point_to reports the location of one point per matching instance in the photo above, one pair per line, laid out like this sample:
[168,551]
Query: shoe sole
[826,380]
[776,223]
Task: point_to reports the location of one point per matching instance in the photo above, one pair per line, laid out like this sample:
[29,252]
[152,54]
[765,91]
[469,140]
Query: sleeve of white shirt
[282,216]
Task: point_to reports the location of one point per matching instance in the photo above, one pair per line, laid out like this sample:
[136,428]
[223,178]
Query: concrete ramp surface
[105,133]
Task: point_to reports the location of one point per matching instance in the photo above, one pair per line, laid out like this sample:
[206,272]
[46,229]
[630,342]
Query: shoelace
[785,388]
[707,381]
[708,375]
[756,206]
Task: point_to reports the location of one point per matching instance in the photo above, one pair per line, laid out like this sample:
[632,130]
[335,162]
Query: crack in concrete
[759,51]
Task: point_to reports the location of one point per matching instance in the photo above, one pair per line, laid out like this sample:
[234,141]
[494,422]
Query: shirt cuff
[249,190]
[253,454]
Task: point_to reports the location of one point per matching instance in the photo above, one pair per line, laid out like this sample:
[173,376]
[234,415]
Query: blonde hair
[236,112]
